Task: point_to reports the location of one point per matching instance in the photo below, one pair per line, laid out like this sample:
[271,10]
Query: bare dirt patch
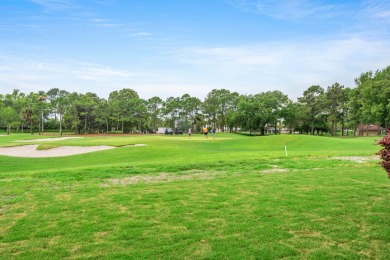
[32,152]
[357,159]
[162,177]
[275,170]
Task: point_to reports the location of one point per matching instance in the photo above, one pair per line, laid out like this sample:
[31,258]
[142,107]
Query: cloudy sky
[171,47]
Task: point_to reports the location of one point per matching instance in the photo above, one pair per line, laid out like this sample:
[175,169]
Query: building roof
[369,127]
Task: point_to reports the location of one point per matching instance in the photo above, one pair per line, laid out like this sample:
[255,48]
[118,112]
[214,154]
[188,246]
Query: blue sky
[171,47]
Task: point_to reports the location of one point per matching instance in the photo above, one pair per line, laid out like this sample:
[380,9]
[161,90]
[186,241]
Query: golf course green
[171,197]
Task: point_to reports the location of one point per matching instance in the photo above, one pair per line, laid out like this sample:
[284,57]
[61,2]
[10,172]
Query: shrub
[385,152]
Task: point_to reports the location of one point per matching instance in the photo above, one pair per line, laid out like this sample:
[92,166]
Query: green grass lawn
[236,197]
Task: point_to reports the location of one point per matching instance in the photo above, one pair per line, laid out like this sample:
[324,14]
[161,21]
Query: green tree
[231,111]
[121,103]
[291,116]
[210,107]
[313,104]
[16,101]
[52,96]
[370,100]
[34,110]
[217,106]
[41,106]
[335,98]
[247,115]
[190,107]
[63,104]
[8,117]
[274,104]
[171,109]
[102,113]
[154,106]
[83,108]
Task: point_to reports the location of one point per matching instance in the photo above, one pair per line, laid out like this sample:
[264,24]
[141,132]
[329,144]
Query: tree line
[336,110]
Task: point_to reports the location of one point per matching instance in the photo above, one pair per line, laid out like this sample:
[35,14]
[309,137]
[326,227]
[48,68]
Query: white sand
[30,151]
[46,139]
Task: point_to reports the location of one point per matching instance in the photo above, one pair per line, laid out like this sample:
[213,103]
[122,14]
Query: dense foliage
[336,110]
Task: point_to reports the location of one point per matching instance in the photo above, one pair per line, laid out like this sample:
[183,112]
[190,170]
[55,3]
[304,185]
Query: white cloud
[109,25]
[7,27]
[34,74]
[288,9]
[376,11]
[141,34]
[290,66]
[56,5]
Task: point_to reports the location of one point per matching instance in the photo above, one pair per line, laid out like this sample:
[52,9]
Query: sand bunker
[30,151]
[46,139]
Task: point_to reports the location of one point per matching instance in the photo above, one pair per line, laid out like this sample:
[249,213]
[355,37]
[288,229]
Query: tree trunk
[60,124]
[43,123]
[276,127]
[312,128]
[334,127]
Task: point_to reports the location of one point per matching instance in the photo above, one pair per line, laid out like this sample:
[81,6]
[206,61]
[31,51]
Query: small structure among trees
[369,130]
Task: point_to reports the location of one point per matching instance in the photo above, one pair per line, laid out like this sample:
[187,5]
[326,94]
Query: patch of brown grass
[163,178]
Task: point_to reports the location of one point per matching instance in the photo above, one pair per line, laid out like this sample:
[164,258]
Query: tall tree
[218,104]
[190,106]
[62,106]
[171,109]
[334,100]
[291,117]
[102,114]
[121,103]
[32,110]
[313,103]
[154,105]
[52,96]
[8,117]
[274,103]
[42,109]
[247,116]
[16,101]
[371,98]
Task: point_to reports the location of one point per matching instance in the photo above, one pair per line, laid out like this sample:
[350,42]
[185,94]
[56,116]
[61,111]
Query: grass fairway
[236,197]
